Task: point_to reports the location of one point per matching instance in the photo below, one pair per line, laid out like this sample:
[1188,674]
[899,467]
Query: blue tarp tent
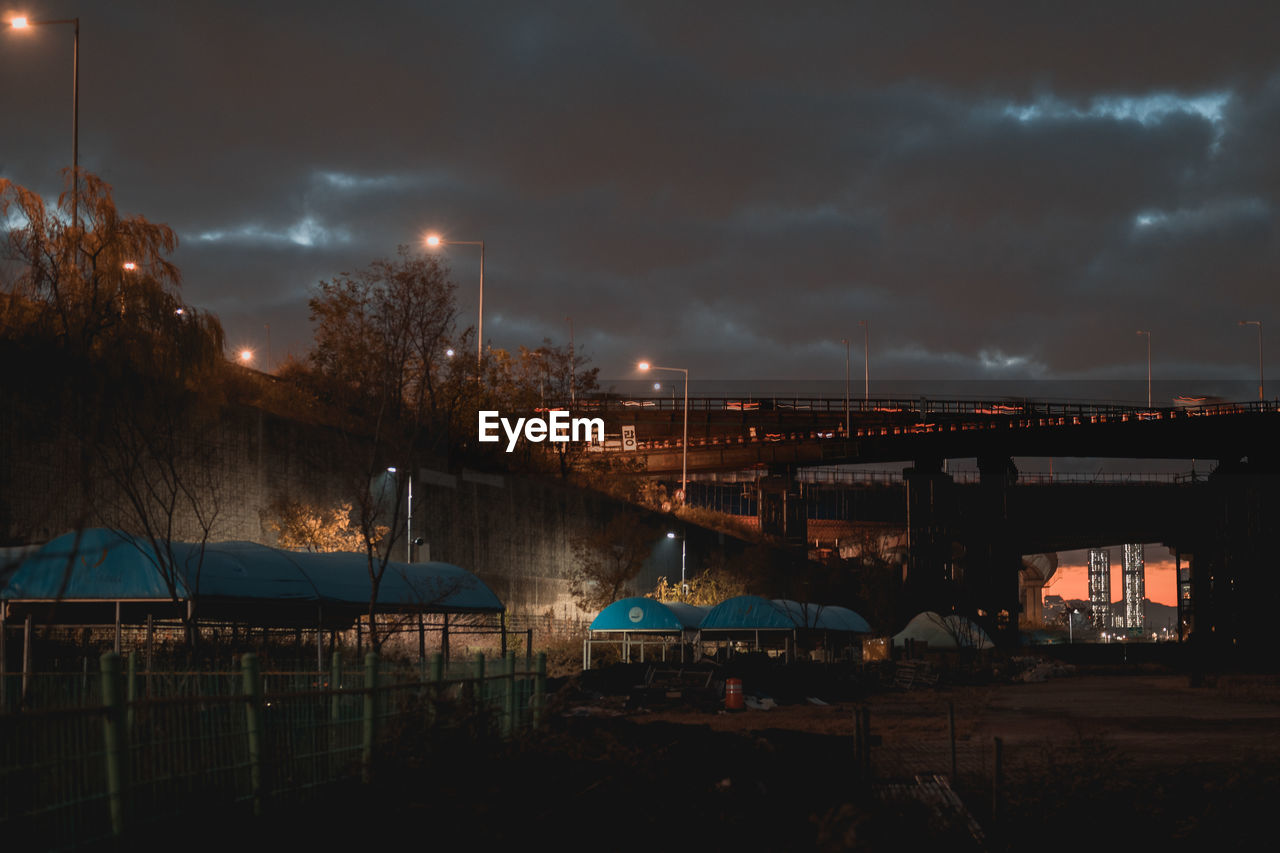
[649,614]
[747,613]
[824,617]
[650,620]
[109,566]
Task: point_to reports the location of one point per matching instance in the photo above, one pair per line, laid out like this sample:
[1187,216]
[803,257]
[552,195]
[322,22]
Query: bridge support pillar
[992,558]
[1231,577]
[930,577]
[782,509]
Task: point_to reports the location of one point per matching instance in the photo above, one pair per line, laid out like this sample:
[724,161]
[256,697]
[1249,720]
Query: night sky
[1002,190]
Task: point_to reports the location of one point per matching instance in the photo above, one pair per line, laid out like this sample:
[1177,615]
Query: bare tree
[608,559]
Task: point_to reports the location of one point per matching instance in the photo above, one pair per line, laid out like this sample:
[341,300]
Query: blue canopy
[107,565]
[649,614]
[828,617]
[747,612]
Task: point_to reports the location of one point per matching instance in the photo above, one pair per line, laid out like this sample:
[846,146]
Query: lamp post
[408,519]
[20,23]
[1147,332]
[684,585]
[1257,323]
[845,341]
[866,359]
[434,241]
[684,444]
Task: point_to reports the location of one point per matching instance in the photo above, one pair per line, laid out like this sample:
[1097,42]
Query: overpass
[1220,526]
[726,435]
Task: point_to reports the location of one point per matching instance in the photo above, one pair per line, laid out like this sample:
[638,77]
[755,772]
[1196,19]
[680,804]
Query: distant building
[1100,587]
[1135,586]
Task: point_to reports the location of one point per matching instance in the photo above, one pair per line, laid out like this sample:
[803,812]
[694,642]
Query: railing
[920,406]
[82,775]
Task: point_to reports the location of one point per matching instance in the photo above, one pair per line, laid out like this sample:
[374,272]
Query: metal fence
[243,740]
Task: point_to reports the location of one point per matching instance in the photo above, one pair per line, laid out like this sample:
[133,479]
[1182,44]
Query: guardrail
[925,406]
[84,775]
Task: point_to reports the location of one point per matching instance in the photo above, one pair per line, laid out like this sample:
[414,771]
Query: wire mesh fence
[239,740]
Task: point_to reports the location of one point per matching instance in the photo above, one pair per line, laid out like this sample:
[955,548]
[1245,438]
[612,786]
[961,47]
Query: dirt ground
[1089,761]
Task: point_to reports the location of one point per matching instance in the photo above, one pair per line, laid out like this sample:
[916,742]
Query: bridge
[1220,526]
[728,434]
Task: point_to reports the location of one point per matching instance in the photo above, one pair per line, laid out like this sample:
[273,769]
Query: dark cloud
[1001,189]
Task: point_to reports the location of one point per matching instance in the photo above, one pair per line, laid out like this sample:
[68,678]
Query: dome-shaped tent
[943,632]
[650,621]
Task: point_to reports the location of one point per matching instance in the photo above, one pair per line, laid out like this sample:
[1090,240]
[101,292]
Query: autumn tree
[132,371]
[607,560]
[382,357]
[304,527]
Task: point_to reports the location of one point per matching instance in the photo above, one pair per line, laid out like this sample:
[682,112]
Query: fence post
[477,685]
[511,723]
[539,689]
[113,739]
[251,687]
[435,677]
[131,687]
[335,684]
[370,710]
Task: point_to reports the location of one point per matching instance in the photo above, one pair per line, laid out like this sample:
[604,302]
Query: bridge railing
[923,406]
[834,475]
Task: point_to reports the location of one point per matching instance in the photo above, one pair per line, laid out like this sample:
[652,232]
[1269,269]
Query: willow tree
[91,304]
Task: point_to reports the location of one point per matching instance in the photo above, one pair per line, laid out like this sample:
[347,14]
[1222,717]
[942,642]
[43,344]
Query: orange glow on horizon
[1071,580]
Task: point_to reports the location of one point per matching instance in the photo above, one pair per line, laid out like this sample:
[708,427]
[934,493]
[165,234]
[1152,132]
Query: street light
[1257,323]
[684,445]
[1147,332]
[408,519]
[20,23]
[246,356]
[684,586]
[866,359]
[434,241]
[845,341]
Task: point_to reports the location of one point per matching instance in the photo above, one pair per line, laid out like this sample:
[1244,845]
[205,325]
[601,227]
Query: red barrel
[733,700]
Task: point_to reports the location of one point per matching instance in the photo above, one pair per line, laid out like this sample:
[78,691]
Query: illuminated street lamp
[1257,323]
[408,520]
[684,445]
[684,586]
[435,241]
[21,23]
[1147,332]
[246,356]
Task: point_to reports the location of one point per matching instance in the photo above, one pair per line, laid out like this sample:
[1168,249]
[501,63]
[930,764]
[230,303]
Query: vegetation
[607,560]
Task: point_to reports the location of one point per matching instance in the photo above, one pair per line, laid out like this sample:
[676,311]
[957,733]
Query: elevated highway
[965,541]
[725,436]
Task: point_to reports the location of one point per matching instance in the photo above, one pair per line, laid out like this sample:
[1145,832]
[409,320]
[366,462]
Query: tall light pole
[684,444]
[1257,323]
[408,519]
[20,23]
[866,359]
[845,341]
[1147,332]
[684,585]
[435,240]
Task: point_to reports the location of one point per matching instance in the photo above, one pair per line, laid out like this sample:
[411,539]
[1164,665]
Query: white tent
[943,632]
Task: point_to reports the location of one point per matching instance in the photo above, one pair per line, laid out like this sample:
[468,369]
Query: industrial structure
[1100,586]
